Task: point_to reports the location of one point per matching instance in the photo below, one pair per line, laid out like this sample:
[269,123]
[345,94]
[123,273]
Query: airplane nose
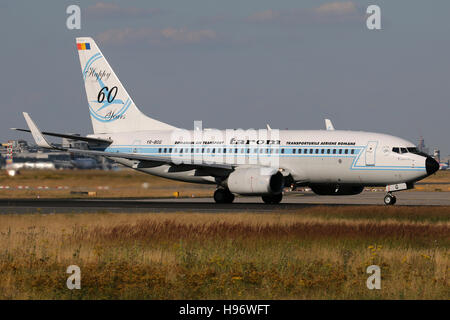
[431,165]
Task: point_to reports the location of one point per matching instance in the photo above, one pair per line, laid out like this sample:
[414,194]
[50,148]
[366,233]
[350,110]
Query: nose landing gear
[389,199]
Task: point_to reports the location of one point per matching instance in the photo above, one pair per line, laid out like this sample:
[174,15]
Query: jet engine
[255,181]
[336,190]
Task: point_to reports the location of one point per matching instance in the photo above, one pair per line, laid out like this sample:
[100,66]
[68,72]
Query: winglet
[37,135]
[329,124]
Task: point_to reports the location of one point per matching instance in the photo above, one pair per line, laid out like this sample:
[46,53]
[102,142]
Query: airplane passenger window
[235,150]
[159,150]
[322,151]
[317,150]
[165,150]
[248,150]
[353,151]
[192,150]
[340,151]
[334,151]
[282,150]
[293,151]
[346,151]
[170,150]
[213,150]
[311,150]
[306,151]
[328,151]
[224,150]
[181,150]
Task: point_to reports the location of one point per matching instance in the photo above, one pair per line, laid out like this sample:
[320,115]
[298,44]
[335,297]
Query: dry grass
[440,176]
[122,184]
[312,253]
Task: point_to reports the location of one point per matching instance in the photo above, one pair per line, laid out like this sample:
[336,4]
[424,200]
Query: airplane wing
[42,142]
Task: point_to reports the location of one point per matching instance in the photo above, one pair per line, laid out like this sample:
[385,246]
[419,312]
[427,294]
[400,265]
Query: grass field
[312,253]
[120,184]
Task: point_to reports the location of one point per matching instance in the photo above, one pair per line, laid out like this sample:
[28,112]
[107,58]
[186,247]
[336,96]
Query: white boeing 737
[251,162]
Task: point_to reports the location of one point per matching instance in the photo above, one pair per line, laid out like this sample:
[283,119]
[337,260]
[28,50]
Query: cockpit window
[413,150]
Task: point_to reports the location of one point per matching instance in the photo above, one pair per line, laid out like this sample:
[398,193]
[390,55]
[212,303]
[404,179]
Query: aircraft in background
[330,162]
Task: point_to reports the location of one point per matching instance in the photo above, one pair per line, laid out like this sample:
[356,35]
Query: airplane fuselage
[310,157]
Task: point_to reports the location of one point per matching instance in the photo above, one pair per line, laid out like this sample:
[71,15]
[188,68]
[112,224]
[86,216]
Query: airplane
[251,163]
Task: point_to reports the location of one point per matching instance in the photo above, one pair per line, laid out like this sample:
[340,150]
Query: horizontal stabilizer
[70,136]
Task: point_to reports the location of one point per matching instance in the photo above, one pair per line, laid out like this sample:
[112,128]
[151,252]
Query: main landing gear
[273,198]
[389,199]
[223,196]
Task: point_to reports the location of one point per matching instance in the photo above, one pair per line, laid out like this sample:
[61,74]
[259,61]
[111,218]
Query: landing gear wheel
[390,200]
[223,196]
[273,198]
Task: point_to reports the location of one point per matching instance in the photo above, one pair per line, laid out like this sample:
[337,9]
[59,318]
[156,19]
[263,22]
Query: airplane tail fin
[111,107]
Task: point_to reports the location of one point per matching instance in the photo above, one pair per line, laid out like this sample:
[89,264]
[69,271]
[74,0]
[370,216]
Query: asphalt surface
[248,204]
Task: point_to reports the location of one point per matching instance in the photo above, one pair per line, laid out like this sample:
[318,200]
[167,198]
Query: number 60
[111,94]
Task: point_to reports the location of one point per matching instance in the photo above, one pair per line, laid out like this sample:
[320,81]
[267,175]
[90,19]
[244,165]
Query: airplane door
[370,153]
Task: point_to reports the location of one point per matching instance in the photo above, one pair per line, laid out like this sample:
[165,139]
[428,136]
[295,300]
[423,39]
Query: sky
[236,64]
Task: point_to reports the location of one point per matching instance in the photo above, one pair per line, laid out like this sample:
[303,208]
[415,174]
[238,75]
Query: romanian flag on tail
[84,46]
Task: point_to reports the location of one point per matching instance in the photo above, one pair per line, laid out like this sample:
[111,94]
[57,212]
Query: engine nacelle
[255,181]
[336,190]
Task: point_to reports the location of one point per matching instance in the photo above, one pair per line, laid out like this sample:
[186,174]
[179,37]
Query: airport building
[18,154]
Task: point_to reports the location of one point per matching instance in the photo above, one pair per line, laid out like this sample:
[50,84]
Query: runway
[205,205]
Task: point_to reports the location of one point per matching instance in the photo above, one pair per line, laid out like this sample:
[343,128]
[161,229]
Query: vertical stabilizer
[111,107]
